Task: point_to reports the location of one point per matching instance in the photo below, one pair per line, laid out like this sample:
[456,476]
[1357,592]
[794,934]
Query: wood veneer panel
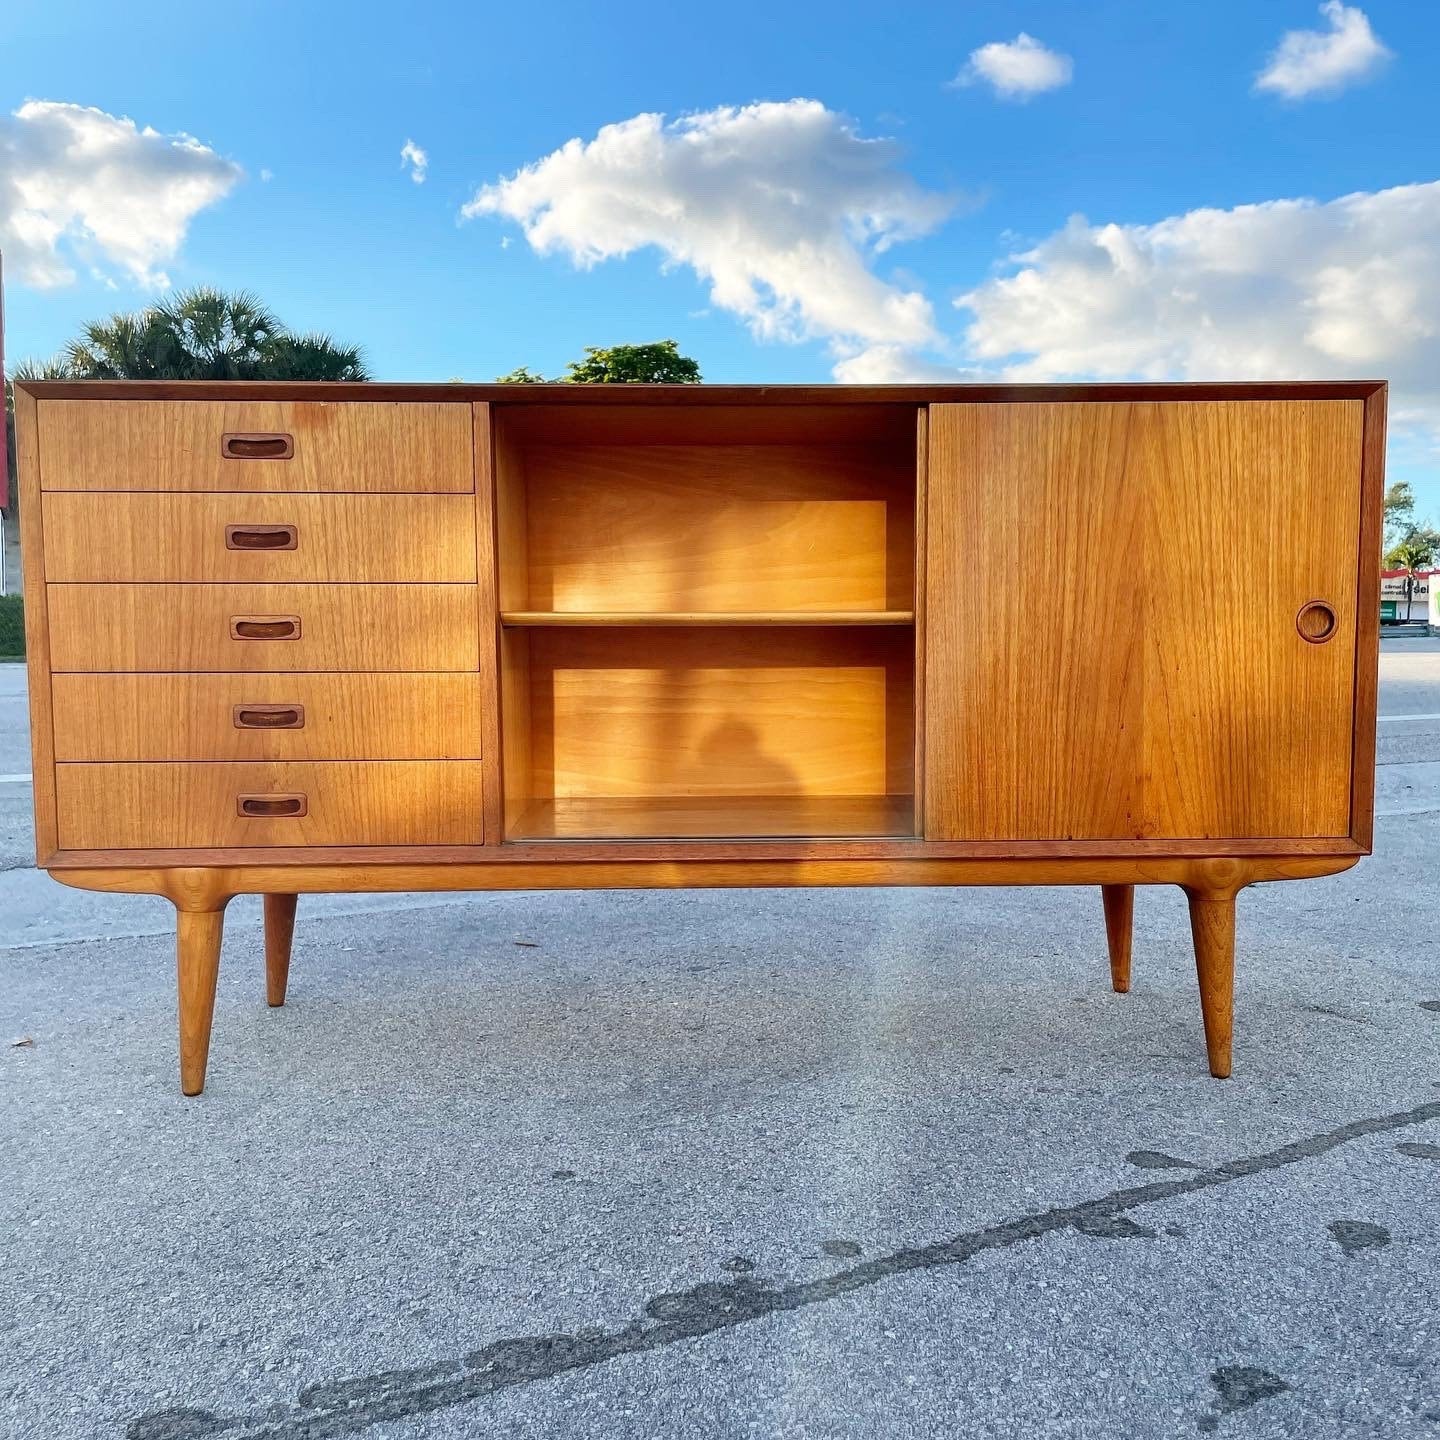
[487,603]
[352,802]
[136,442]
[1367,623]
[705,816]
[187,627]
[718,527]
[1251,510]
[641,422]
[559,872]
[1163,690]
[1141,856]
[1033,698]
[570,619]
[37,623]
[513,650]
[338,538]
[922,470]
[193,717]
[673,713]
[736,398]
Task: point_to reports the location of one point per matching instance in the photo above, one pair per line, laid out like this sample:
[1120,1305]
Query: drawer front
[263,627]
[255,445]
[261,538]
[374,802]
[266,717]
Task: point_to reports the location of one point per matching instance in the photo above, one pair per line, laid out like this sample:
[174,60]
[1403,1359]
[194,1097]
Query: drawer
[280,627]
[266,717]
[296,445]
[271,538]
[345,802]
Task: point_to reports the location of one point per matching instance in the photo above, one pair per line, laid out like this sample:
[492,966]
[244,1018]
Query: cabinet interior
[707,620]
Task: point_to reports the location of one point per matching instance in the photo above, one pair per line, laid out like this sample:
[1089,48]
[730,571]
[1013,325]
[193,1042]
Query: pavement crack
[348,1407]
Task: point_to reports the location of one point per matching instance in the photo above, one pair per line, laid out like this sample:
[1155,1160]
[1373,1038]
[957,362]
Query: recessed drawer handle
[270,805]
[264,627]
[269,717]
[261,537]
[257,447]
[1316,621]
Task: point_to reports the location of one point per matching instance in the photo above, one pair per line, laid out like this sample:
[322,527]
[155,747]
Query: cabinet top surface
[697,395]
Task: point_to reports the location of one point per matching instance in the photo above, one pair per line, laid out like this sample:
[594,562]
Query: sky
[795,192]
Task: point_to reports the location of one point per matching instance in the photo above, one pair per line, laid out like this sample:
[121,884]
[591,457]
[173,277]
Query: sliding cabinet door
[1118,644]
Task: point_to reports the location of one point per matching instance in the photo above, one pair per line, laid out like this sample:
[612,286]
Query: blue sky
[778,243]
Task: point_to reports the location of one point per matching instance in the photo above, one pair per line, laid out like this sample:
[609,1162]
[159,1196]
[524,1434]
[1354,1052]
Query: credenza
[291,638]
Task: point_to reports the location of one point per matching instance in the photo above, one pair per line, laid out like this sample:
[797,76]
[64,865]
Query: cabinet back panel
[714,527]
[175,445]
[648,713]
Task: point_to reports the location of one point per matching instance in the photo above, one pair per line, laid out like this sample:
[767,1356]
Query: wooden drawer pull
[262,537]
[271,805]
[264,627]
[269,717]
[257,446]
[1316,621]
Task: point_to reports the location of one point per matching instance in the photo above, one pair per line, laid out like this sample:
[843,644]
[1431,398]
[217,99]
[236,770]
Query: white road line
[14,779]
[1383,718]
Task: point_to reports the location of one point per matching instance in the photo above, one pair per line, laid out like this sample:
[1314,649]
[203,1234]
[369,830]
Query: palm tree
[1416,548]
[205,334]
[201,334]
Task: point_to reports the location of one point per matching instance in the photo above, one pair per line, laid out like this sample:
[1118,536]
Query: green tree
[204,334]
[660,363]
[199,334]
[1417,548]
[1399,511]
[25,370]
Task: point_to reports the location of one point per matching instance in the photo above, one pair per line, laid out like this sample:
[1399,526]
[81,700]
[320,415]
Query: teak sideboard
[290,638]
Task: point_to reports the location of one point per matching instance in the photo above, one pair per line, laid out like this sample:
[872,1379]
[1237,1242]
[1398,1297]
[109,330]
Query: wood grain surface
[130,443]
[187,627]
[1165,691]
[350,802]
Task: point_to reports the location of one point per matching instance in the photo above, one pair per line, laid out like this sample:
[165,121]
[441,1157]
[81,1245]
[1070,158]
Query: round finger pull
[1315,621]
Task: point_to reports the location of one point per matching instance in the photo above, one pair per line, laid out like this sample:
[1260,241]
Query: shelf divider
[523,619]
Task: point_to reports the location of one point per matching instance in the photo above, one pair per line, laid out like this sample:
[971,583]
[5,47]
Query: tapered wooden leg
[198,950]
[279,932]
[1212,926]
[1119,917]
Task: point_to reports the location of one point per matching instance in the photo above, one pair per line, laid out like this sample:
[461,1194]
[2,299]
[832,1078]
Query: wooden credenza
[297,638]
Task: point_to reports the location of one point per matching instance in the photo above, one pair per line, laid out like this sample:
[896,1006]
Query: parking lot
[724,1164]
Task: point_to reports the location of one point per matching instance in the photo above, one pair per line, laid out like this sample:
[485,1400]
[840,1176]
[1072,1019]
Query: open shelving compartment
[707,620]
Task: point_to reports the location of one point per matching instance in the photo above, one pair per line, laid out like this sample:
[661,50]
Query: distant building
[1405,595]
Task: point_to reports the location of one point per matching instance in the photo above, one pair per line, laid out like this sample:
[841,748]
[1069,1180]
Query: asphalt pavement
[848,1163]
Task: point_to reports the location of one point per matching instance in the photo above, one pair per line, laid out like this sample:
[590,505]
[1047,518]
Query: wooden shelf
[523,619]
[754,817]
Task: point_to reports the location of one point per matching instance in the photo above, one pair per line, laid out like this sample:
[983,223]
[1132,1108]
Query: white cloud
[418,162]
[780,207]
[1017,69]
[1281,290]
[77,180]
[1311,62]
[895,365]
